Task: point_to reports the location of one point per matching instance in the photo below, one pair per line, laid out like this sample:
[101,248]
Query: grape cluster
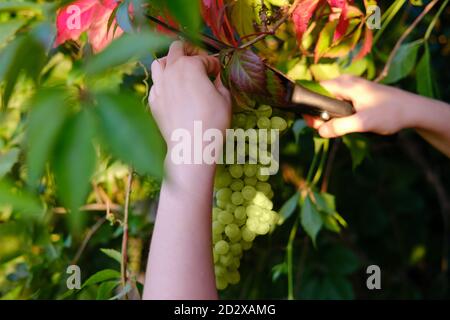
[243,206]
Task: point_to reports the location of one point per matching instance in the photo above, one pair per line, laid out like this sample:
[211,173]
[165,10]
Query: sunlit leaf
[130,132]
[47,116]
[126,48]
[101,276]
[8,160]
[114,254]
[74,163]
[20,200]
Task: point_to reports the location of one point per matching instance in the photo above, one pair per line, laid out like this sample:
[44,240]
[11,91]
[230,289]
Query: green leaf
[21,201]
[47,107]
[105,290]
[403,62]
[101,276]
[73,163]
[311,219]
[187,13]
[315,87]
[114,254]
[289,206]
[124,49]
[8,29]
[424,79]
[358,146]
[325,71]
[14,240]
[325,202]
[130,132]
[8,160]
[325,40]
[243,16]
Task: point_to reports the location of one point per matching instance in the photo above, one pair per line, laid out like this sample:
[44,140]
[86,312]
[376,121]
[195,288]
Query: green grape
[264,187]
[225,217]
[221,247]
[237,185]
[251,121]
[226,259]
[223,194]
[216,237]
[233,277]
[236,249]
[236,170]
[230,207]
[250,181]
[232,231]
[240,222]
[264,111]
[222,204]
[221,283]
[235,264]
[247,235]
[250,169]
[239,213]
[219,270]
[253,211]
[246,245]
[217,227]
[248,192]
[215,213]
[263,123]
[239,120]
[253,224]
[263,228]
[215,257]
[262,177]
[222,180]
[261,200]
[237,198]
[278,123]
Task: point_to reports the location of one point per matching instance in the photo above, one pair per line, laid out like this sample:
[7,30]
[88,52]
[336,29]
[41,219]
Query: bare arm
[386,110]
[180,263]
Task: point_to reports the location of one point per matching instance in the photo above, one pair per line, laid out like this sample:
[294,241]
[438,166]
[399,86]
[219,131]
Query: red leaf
[367,44]
[215,16]
[342,26]
[302,15]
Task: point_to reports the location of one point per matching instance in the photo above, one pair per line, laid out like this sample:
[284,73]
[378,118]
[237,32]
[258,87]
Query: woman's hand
[379,109]
[385,110]
[182,92]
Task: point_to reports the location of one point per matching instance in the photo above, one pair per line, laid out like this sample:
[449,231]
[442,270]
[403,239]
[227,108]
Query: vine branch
[262,35]
[400,41]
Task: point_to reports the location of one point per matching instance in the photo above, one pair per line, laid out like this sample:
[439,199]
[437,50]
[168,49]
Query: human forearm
[431,120]
[180,261]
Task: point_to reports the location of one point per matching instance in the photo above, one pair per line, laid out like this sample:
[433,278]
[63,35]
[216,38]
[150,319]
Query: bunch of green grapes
[243,208]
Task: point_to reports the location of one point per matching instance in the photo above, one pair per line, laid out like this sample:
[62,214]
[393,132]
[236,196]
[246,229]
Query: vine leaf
[302,15]
[310,219]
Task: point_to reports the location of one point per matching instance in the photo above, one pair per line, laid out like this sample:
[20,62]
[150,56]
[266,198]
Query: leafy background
[65,172]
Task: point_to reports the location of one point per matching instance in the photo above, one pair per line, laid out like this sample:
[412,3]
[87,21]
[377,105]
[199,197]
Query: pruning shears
[296,98]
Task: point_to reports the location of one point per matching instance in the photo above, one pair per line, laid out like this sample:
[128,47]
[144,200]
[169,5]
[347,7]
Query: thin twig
[275,27]
[400,41]
[86,239]
[329,166]
[123,264]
